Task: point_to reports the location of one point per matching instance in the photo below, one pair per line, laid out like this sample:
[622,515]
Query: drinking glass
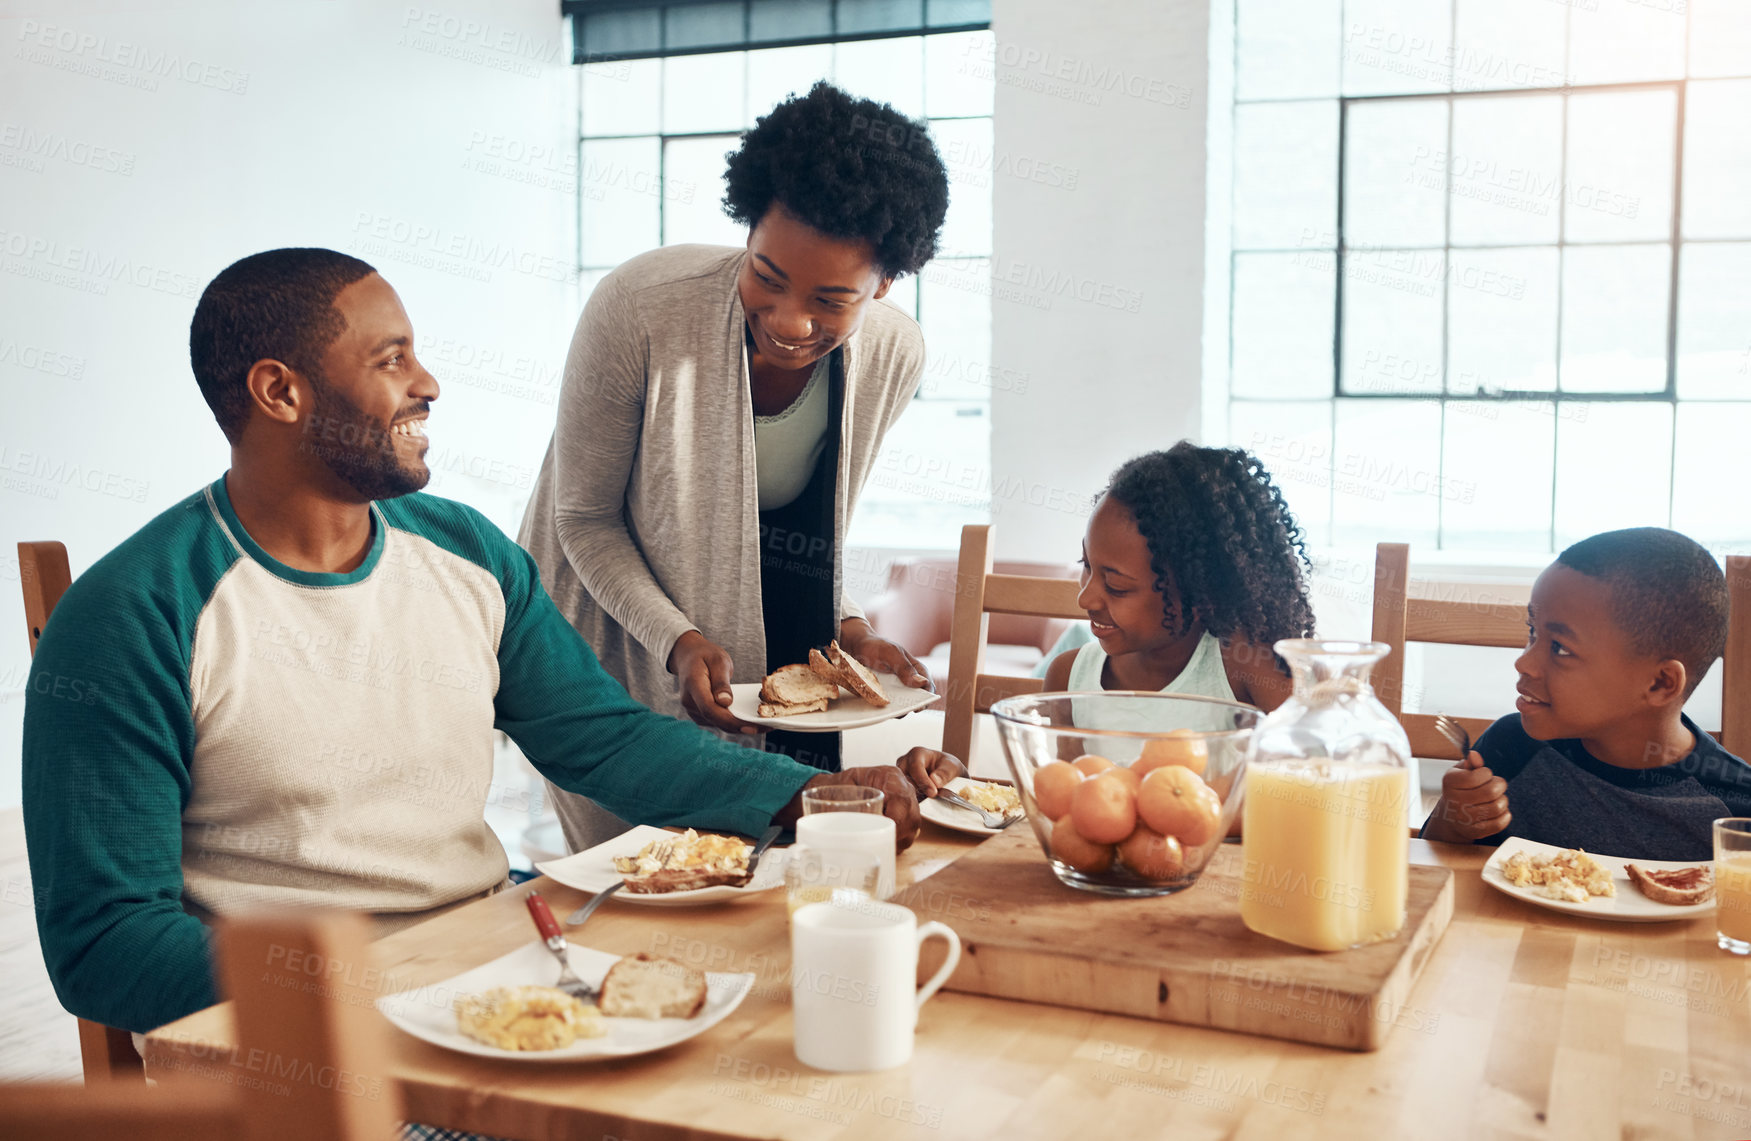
[1733,884]
[842,798]
[838,875]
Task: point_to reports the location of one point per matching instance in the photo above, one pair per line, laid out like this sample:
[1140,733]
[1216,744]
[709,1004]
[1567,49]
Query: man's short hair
[1668,594]
[275,305]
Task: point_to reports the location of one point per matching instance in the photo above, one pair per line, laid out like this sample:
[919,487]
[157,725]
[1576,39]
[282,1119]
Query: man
[290,680]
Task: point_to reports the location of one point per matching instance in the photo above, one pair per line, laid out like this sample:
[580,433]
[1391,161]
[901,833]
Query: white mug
[852,832]
[852,977]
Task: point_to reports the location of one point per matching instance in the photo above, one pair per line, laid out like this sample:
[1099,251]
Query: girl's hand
[857,639]
[929,770]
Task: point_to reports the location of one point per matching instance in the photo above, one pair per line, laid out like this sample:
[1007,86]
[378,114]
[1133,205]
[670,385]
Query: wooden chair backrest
[107,1053]
[309,1060]
[979,594]
[1399,619]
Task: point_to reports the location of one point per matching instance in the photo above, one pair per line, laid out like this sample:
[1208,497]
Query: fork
[988,818]
[1455,733]
[569,982]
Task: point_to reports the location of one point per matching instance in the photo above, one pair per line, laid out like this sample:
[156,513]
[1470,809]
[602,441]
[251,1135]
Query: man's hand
[1473,804]
[857,639]
[929,770]
[899,799]
[703,668]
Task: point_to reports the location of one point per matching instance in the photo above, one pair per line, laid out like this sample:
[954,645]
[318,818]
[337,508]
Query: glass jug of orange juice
[1326,839]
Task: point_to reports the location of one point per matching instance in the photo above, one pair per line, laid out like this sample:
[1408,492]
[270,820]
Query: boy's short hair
[1667,593]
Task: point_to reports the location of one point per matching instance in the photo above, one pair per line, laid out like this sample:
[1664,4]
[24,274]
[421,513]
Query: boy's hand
[1473,804]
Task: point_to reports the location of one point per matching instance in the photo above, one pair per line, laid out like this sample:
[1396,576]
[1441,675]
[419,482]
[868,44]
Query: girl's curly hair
[1221,536]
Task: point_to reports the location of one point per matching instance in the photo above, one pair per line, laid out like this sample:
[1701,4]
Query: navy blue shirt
[1558,793]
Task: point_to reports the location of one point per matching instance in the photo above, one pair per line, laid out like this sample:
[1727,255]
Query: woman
[720,412]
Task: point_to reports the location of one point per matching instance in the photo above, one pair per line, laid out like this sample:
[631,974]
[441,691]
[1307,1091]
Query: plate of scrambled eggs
[657,854]
[999,798]
[1580,883]
[508,1009]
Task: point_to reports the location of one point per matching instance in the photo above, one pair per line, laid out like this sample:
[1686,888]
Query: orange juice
[1733,895]
[1326,853]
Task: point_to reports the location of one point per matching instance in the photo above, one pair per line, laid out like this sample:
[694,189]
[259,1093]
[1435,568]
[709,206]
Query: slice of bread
[828,672]
[857,676]
[796,685]
[791,709]
[649,986]
[1677,886]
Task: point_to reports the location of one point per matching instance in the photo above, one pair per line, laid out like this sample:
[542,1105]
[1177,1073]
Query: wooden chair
[309,1058]
[978,595]
[1399,619]
[107,1052]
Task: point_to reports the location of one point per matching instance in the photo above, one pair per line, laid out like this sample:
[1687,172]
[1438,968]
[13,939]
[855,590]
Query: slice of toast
[1677,886]
[647,986]
[791,709]
[828,672]
[796,685]
[858,677]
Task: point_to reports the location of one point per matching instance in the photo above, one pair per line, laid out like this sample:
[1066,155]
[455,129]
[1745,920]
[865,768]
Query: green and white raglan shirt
[207,729]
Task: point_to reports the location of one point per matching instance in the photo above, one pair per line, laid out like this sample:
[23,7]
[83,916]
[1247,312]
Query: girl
[1192,567]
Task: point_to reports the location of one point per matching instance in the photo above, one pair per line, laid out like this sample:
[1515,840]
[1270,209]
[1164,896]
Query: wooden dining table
[1524,1023]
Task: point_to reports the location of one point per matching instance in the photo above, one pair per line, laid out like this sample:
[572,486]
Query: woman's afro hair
[851,168]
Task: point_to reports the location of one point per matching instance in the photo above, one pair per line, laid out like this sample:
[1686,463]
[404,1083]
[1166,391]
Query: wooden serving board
[1179,958]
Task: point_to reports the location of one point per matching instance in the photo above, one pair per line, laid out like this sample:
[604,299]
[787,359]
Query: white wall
[1099,291]
[143,147]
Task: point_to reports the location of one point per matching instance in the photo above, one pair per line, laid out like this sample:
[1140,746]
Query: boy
[1621,628]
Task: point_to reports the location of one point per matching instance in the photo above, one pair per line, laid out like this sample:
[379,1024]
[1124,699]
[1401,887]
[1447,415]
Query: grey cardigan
[644,521]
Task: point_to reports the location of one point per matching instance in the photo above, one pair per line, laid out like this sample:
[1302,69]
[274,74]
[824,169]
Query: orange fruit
[1053,785]
[1083,855]
[1152,855]
[1180,747]
[1175,801]
[1091,765]
[1131,777]
[1104,809]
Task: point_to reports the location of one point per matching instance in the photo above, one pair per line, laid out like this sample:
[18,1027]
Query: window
[653,136]
[1490,266]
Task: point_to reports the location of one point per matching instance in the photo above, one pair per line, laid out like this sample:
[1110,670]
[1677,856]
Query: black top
[1558,793]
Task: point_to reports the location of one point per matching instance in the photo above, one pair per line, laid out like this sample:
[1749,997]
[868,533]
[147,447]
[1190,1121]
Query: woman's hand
[704,669]
[861,642]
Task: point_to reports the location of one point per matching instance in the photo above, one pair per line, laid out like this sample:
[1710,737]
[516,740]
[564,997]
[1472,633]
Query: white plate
[428,1013]
[847,712]
[593,870]
[959,819]
[1629,905]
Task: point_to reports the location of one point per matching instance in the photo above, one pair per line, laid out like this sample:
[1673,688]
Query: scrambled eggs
[689,852]
[998,798]
[527,1018]
[1570,875]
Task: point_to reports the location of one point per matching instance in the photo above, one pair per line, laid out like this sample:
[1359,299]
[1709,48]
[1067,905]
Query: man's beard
[358,447]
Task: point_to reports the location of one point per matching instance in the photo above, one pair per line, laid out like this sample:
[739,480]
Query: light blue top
[1203,676]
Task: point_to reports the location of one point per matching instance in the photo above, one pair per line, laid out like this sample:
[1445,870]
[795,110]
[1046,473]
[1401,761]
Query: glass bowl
[1143,733]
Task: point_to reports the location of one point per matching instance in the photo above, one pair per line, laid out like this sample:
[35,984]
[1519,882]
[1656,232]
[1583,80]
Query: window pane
[703,92]
[1385,203]
[947,13]
[1282,339]
[903,295]
[1508,43]
[932,478]
[702,25]
[1720,37]
[1496,466]
[622,98]
[1392,321]
[1285,174]
[1714,334]
[1619,182]
[1287,49]
[789,19]
[1620,41]
[1717,158]
[1505,171]
[693,189]
[957,330]
[958,77]
[775,74]
[888,71]
[966,149]
[619,194]
[1614,318]
[1397,47]
[625,31]
[1501,320]
[1293,438]
[1386,478]
[1614,468]
[879,15]
[1712,470]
